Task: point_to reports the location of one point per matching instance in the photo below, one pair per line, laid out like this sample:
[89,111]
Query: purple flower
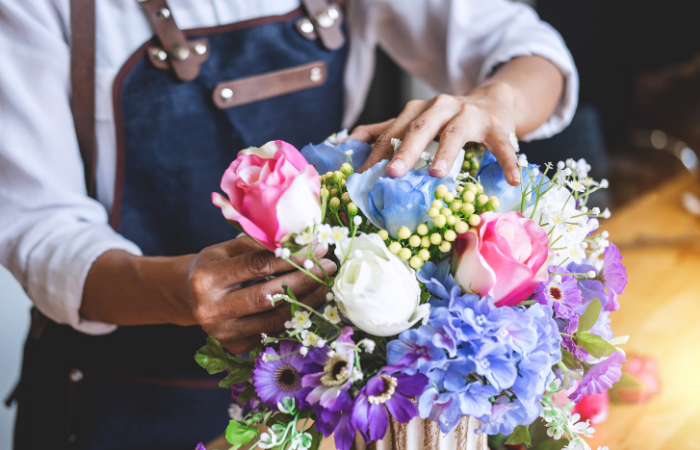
[337,374]
[237,389]
[563,295]
[386,392]
[442,408]
[506,415]
[337,419]
[200,446]
[600,377]
[613,275]
[414,351]
[590,289]
[439,281]
[276,379]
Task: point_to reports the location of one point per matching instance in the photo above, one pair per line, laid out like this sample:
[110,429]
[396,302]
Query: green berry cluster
[473,152]
[452,214]
[334,193]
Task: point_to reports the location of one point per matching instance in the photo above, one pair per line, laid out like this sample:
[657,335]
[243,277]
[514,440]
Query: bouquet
[454,297]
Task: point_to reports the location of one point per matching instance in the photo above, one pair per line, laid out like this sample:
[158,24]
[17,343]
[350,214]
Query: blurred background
[637,121]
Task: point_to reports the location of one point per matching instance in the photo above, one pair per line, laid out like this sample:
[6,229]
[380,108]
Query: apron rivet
[200,49]
[324,18]
[226,93]
[163,13]
[75,375]
[306,26]
[179,52]
[315,74]
[159,54]
[333,13]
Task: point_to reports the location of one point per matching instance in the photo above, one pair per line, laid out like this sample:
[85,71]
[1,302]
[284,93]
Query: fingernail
[397,164]
[328,265]
[320,250]
[515,175]
[439,165]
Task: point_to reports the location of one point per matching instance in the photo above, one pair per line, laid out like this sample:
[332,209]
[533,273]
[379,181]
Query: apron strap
[184,57]
[326,19]
[82,78]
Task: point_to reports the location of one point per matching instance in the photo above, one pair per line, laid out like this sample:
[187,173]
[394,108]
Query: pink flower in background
[641,380]
[272,192]
[593,407]
[505,259]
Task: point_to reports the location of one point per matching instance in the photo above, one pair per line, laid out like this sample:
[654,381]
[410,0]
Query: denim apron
[139,387]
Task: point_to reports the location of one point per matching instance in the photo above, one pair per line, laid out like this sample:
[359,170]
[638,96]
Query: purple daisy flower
[237,389]
[336,375]
[600,377]
[386,392]
[613,275]
[563,295]
[276,379]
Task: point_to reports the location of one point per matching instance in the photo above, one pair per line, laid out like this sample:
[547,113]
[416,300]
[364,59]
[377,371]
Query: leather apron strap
[82,78]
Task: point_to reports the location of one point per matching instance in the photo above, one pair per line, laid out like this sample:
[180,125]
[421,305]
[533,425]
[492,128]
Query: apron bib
[139,387]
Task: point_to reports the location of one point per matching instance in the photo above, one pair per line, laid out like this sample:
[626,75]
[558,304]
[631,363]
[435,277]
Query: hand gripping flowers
[455,297]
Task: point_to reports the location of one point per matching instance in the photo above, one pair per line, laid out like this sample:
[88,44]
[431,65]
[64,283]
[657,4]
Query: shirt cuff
[58,269]
[560,57]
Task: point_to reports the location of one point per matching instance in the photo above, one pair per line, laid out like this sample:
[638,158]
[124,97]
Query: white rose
[375,289]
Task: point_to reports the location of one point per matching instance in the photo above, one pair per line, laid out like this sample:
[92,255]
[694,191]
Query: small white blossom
[300,320]
[283,253]
[567,172]
[325,234]
[368,344]
[576,185]
[304,238]
[308,264]
[356,375]
[304,351]
[267,440]
[330,296]
[588,182]
[426,156]
[263,338]
[349,153]
[595,210]
[522,160]
[604,184]
[330,313]
[265,357]
[357,221]
[339,234]
[514,141]
[396,143]
[310,339]
[576,252]
[606,214]
[560,165]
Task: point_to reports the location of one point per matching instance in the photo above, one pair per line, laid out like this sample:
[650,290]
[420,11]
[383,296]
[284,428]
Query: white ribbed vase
[424,434]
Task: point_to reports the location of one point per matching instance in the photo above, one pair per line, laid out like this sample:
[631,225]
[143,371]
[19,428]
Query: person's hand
[236,315]
[487,115]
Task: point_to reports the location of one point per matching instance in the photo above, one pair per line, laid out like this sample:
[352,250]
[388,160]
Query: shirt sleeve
[50,230]
[454,45]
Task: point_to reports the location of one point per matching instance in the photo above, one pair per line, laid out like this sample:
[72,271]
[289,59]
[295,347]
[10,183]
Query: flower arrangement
[461,296]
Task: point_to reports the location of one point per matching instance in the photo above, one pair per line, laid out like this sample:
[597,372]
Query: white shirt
[51,232]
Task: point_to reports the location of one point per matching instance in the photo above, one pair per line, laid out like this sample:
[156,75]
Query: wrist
[165,279]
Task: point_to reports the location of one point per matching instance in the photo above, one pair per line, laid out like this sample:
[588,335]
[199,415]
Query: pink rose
[272,192]
[505,259]
[593,407]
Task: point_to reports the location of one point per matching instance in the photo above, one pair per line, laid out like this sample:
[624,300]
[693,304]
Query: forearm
[534,85]
[124,289]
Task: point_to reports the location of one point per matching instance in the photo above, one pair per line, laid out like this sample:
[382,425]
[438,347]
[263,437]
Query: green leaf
[237,375]
[215,359]
[590,317]
[594,344]
[255,353]
[520,435]
[247,394]
[316,438]
[569,360]
[238,434]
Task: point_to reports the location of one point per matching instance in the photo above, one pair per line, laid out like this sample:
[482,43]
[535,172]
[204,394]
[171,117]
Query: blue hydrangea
[329,158]
[472,350]
[491,177]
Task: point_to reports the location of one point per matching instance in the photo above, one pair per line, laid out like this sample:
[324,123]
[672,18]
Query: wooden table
[660,310]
